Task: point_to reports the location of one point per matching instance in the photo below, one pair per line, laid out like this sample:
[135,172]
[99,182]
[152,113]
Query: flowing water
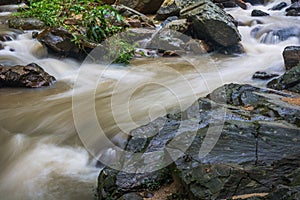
[42,156]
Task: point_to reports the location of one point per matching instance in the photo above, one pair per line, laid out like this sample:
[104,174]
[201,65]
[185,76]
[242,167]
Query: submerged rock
[291,56]
[259,13]
[263,75]
[32,76]
[257,148]
[290,81]
[279,6]
[26,23]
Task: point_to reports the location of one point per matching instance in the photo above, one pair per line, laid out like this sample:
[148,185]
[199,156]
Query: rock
[169,8]
[230,3]
[26,23]
[255,2]
[197,46]
[131,196]
[290,81]
[263,75]
[133,14]
[258,13]
[59,42]
[294,9]
[134,23]
[8,2]
[168,20]
[291,56]
[257,150]
[136,34]
[279,6]
[274,36]
[180,25]
[32,76]
[143,6]
[210,23]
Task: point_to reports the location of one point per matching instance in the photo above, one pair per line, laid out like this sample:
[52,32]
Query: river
[42,155]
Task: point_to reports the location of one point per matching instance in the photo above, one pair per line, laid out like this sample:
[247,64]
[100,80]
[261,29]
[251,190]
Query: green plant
[102,22]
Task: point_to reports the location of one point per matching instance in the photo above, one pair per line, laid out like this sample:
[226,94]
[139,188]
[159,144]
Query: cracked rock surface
[238,140]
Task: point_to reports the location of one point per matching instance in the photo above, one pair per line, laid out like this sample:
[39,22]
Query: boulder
[60,42]
[26,23]
[291,56]
[143,6]
[31,76]
[290,81]
[256,152]
[169,8]
[259,13]
[210,23]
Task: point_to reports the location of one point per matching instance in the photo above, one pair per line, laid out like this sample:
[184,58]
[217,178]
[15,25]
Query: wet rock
[211,23]
[230,3]
[32,76]
[168,20]
[279,6]
[131,196]
[274,36]
[136,34]
[197,46]
[259,13]
[169,8]
[255,2]
[263,75]
[8,2]
[26,23]
[143,6]
[180,25]
[135,15]
[291,56]
[256,147]
[134,23]
[294,9]
[59,42]
[290,81]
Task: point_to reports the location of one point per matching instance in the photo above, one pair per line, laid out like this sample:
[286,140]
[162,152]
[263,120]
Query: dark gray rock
[263,75]
[26,23]
[279,6]
[288,81]
[143,6]
[291,56]
[255,2]
[259,13]
[168,9]
[60,42]
[32,76]
[211,23]
[294,9]
[257,150]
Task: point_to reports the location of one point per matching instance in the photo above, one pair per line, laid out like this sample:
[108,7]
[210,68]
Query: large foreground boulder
[32,76]
[211,23]
[256,151]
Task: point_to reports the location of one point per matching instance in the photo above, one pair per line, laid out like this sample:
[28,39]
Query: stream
[42,155]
